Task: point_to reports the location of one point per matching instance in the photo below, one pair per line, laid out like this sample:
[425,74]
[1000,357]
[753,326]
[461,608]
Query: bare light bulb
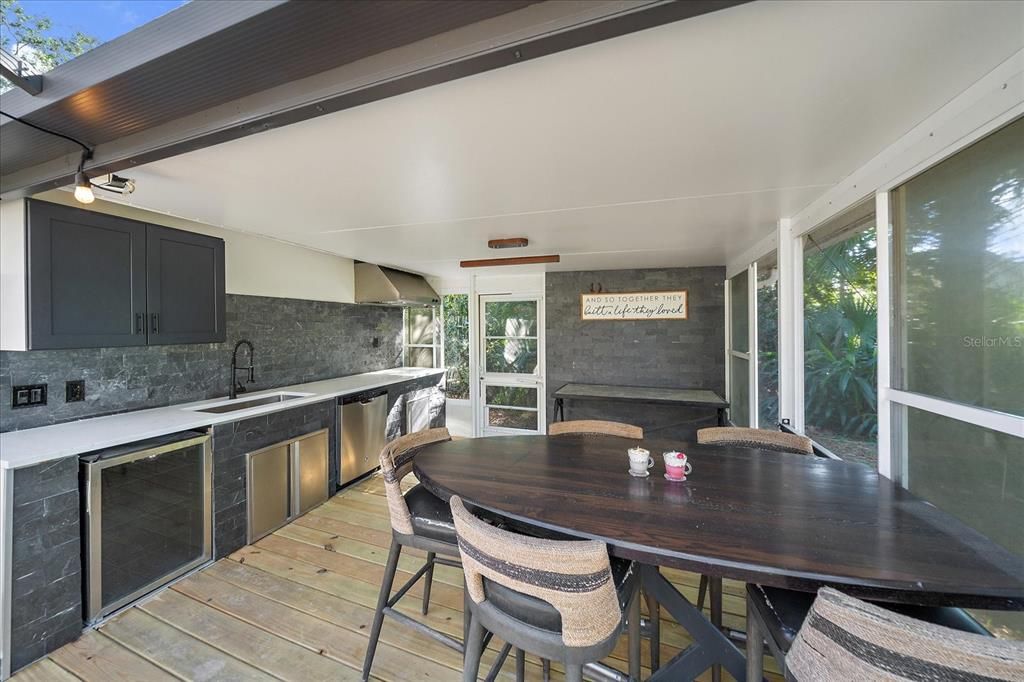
[83,188]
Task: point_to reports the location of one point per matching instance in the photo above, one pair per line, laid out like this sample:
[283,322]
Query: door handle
[156,323]
[139,323]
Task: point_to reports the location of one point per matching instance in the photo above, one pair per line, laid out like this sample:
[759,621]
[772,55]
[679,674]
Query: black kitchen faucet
[236,386]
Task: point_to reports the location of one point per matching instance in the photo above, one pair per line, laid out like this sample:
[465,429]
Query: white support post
[791,319]
[474,361]
[752,364]
[728,345]
[883,231]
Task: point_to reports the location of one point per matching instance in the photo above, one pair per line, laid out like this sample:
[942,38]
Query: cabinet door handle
[139,322]
[156,323]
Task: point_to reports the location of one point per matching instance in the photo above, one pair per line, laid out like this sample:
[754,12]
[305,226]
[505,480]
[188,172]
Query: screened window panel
[767,344]
[738,312]
[419,326]
[511,318]
[739,391]
[455,318]
[975,474]
[840,340]
[419,357]
[959,229]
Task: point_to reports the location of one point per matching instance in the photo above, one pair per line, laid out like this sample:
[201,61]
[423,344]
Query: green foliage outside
[767,351]
[840,344]
[26,36]
[840,337]
[510,352]
[455,316]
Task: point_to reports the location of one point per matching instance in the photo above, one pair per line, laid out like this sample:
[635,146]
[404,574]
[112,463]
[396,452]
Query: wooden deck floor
[297,605]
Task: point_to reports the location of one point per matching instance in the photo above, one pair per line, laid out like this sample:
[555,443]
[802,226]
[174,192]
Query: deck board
[176,651]
[96,657]
[298,605]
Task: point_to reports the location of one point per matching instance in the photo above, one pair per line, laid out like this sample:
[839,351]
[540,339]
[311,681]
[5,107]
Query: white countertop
[32,446]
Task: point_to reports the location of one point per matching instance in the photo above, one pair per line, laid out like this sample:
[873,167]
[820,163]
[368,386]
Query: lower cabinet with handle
[284,481]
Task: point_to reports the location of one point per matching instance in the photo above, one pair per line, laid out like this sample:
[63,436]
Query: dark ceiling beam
[518,34]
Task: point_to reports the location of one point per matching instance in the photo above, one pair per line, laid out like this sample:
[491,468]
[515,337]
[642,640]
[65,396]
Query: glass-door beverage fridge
[148,517]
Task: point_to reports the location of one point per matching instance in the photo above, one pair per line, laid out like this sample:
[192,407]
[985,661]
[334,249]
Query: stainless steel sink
[236,405]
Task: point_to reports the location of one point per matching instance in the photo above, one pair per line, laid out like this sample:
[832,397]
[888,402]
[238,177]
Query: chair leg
[715,590]
[474,651]
[702,592]
[633,625]
[755,648]
[382,600]
[520,665]
[429,578]
[654,622]
[466,614]
[574,673]
[545,665]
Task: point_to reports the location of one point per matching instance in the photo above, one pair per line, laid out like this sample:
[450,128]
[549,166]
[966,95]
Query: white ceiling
[679,145]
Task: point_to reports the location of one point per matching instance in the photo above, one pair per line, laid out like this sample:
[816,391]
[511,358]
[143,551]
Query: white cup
[640,461]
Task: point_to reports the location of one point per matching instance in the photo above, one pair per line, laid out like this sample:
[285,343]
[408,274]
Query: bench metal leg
[520,665]
[702,592]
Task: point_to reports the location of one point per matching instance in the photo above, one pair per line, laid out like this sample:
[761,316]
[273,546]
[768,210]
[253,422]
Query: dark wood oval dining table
[792,521]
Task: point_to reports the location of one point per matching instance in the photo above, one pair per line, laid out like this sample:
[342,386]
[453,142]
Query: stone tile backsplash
[665,353]
[296,341]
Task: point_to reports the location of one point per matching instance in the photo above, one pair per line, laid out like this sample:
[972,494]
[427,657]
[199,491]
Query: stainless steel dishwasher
[363,419]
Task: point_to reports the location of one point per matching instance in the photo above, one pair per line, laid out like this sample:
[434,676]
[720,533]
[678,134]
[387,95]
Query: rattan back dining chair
[740,436]
[762,439]
[561,600]
[595,427]
[775,615]
[420,520]
[844,638]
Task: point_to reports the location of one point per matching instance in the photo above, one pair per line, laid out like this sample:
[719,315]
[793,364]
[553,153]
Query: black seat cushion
[431,516]
[783,612]
[539,613]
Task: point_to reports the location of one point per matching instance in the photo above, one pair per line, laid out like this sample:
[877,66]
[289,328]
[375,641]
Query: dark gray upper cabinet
[96,280]
[86,279]
[184,286]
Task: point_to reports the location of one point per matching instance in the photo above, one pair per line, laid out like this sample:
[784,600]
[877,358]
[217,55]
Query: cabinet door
[86,276]
[185,286]
[268,490]
[309,472]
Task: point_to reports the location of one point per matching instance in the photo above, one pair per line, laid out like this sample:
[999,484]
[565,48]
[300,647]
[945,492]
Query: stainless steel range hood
[385,286]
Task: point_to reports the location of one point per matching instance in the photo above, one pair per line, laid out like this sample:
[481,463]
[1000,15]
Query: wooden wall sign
[635,305]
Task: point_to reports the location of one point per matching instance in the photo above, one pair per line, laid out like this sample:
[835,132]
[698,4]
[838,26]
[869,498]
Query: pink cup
[676,466]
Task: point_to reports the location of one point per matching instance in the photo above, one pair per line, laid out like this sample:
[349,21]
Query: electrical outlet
[28,396]
[74,391]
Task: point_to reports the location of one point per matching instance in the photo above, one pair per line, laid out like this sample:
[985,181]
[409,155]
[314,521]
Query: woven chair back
[395,464]
[572,576]
[763,439]
[847,639]
[595,427]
